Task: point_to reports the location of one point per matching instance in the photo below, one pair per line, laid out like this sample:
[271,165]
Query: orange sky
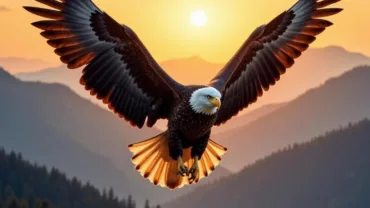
[163,26]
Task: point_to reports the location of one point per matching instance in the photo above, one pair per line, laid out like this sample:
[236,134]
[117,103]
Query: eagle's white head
[205,100]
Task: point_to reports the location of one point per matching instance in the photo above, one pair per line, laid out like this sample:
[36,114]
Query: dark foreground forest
[26,185]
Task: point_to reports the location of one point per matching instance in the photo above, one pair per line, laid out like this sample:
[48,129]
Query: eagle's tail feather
[151,158]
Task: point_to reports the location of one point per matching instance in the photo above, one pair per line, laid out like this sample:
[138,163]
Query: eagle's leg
[181,167]
[194,170]
[175,150]
[196,152]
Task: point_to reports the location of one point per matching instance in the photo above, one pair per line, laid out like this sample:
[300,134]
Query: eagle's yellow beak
[216,102]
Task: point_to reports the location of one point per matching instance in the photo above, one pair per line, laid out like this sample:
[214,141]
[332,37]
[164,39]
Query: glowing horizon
[164,27]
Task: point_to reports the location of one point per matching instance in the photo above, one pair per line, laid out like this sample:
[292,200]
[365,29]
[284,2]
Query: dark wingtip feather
[38,25]
[47,13]
[319,23]
[312,31]
[52,3]
[107,98]
[325,3]
[325,12]
[299,46]
[26,7]
[305,39]
[92,92]
[82,81]
[71,67]
[59,43]
[50,25]
[56,34]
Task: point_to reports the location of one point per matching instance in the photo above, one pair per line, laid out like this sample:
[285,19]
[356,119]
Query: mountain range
[312,69]
[53,126]
[247,118]
[330,171]
[338,101]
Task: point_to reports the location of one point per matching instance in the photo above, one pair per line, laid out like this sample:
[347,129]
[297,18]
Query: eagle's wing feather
[267,53]
[120,70]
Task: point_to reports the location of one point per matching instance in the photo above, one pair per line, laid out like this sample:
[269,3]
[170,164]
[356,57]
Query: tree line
[26,185]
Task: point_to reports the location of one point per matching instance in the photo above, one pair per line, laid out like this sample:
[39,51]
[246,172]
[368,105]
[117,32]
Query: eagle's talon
[194,170]
[181,167]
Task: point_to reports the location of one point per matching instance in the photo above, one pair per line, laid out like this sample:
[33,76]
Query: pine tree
[147,204]
[12,202]
[45,204]
[23,203]
[130,203]
[110,194]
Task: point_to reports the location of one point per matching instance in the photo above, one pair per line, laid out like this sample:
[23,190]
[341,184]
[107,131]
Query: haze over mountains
[50,124]
[18,65]
[331,171]
[312,69]
[247,118]
[339,101]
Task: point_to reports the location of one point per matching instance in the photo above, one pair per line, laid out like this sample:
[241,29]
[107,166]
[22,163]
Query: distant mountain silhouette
[247,117]
[331,171]
[18,64]
[52,125]
[312,69]
[337,102]
[193,70]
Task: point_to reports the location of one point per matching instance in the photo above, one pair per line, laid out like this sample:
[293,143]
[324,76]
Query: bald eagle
[121,72]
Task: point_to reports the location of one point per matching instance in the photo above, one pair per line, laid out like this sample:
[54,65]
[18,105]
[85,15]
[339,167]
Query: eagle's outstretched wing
[267,53]
[120,71]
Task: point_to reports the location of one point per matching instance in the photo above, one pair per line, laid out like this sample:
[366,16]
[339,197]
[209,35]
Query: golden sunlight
[198,18]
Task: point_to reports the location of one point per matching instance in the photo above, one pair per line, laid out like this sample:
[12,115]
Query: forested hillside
[26,185]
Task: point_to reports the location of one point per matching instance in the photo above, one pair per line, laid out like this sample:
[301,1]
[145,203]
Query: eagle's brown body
[187,124]
[121,72]
[187,128]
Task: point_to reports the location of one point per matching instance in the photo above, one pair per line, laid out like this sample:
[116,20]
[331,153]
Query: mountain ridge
[321,108]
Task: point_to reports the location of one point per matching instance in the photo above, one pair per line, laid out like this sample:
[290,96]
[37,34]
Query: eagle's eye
[209,97]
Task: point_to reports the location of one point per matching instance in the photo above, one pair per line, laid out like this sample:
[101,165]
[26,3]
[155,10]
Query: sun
[198,18]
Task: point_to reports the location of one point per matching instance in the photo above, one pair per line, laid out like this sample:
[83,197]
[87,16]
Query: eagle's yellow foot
[194,170]
[181,167]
